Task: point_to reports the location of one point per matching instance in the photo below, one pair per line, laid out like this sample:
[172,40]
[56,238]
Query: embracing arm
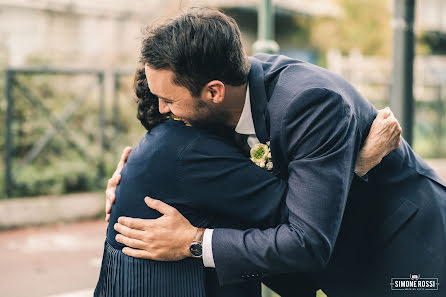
[113,183]
[168,237]
[384,137]
[321,141]
[218,186]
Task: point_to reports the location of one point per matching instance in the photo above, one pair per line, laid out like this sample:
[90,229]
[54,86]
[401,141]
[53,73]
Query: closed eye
[166,101]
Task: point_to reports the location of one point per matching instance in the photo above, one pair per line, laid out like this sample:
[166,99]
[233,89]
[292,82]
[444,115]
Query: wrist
[367,159]
[196,245]
[189,238]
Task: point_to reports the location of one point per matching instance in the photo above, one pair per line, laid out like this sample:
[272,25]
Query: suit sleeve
[320,140]
[217,180]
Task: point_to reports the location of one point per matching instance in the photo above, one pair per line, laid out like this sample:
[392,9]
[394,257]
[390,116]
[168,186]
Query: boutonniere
[261,155]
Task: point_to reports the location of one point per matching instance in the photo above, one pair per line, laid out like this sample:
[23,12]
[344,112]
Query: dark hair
[199,46]
[148,111]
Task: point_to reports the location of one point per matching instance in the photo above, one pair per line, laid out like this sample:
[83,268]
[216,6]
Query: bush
[71,160]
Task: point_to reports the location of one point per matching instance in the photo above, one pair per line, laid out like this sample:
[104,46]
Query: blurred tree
[365,25]
[433,42]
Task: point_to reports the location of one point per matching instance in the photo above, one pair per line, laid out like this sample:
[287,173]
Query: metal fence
[429,128]
[372,77]
[24,103]
[112,121]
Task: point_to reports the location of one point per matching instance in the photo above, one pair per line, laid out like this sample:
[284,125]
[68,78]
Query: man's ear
[214,91]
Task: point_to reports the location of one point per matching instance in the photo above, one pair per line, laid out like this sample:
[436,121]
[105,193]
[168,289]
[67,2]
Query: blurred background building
[107,32]
[104,33]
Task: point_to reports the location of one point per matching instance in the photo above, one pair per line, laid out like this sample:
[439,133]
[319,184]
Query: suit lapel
[241,140]
[260,115]
[258,98]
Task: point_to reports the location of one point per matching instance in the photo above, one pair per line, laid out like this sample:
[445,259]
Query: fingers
[394,124]
[128,231]
[110,196]
[126,153]
[160,206]
[132,223]
[384,113]
[136,253]
[115,179]
[388,119]
[397,137]
[395,129]
[107,206]
[130,242]
[113,183]
[124,156]
[400,130]
[111,186]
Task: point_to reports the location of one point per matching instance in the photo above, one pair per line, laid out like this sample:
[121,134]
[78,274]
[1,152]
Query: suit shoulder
[168,137]
[300,83]
[297,76]
[211,144]
[304,76]
[316,101]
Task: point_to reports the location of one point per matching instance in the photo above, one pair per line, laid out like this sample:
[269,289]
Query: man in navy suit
[349,236]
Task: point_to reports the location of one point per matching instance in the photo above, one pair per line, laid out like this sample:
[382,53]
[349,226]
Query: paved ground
[59,260]
[54,261]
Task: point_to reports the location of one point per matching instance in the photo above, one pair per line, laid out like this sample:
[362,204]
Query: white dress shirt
[244,126]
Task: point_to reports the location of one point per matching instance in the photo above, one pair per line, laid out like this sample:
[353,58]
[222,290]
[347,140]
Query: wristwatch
[196,248]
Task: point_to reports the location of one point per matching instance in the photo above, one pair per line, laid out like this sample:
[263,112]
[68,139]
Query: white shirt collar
[245,124]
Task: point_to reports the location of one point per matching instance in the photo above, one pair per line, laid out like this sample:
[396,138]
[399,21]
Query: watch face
[196,249]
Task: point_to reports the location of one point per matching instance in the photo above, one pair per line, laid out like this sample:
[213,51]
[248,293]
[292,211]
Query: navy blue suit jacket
[205,176]
[340,228]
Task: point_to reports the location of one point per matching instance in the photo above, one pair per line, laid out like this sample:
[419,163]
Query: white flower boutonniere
[261,155]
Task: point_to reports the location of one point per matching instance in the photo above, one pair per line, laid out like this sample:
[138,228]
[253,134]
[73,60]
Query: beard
[208,116]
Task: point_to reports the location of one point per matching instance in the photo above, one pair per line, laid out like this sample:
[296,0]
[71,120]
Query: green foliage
[3,62]
[429,129]
[431,42]
[72,160]
[364,25]
[58,177]
[429,137]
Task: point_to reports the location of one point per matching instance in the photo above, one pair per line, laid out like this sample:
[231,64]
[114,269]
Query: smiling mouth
[171,115]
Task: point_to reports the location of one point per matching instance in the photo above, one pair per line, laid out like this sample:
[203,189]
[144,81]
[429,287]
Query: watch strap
[199,235]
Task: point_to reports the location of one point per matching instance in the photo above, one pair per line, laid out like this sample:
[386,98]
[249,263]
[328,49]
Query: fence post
[8,141]
[401,99]
[440,110]
[115,116]
[102,124]
[265,29]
